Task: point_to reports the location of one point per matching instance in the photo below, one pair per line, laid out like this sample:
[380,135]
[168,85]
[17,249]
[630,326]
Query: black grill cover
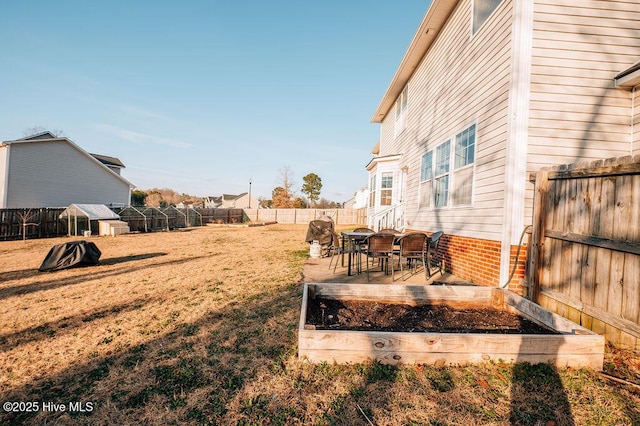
[320,230]
[69,255]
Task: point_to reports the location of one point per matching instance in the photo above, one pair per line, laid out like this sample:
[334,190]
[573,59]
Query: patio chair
[335,248]
[379,246]
[413,247]
[432,253]
[360,246]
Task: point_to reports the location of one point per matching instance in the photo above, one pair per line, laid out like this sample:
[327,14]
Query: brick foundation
[478,261]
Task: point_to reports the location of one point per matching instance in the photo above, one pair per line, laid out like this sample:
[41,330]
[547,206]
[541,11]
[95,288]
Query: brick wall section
[478,261]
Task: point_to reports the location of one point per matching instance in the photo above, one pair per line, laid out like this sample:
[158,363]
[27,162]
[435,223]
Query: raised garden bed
[437,324]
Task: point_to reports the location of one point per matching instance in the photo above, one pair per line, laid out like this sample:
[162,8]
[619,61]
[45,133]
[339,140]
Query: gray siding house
[488,92]
[47,171]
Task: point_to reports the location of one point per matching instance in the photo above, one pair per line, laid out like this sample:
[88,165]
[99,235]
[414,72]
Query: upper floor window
[386,188]
[482,9]
[401,112]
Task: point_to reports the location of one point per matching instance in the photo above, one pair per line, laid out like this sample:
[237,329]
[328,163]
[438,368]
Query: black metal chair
[379,246]
[413,247]
[432,253]
[360,245]
[335,248]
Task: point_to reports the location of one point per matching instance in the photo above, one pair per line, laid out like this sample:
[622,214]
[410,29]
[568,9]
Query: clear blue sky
[201,96]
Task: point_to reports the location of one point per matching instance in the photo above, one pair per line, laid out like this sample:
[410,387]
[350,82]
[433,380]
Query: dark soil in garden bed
[329,314]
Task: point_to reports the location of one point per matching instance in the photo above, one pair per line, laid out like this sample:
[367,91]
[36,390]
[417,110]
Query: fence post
[538,234]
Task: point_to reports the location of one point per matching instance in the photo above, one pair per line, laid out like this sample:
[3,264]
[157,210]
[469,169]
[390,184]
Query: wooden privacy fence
[304,216]
[16,224]
[584,259]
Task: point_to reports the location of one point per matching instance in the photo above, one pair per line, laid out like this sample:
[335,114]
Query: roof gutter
[433,21]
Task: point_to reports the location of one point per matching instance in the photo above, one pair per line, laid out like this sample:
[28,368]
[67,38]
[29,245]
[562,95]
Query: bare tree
[25,217]
[287,183]
[59,133]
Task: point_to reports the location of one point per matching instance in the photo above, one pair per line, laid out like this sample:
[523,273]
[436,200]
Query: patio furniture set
[386,246]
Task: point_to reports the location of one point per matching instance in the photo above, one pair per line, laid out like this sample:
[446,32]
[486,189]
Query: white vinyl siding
[576,112]
[460,81]
[56,174]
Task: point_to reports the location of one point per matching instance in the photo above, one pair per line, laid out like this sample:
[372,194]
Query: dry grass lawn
[199,327]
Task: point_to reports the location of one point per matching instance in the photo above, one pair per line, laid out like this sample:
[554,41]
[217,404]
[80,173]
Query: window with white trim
[443,155]
[372,191]
[426,179]
[443,183]
[482,9]
[463,166]
[401,112]
[386,188]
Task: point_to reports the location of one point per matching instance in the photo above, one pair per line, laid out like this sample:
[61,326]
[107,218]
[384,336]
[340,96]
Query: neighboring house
[488,92]
[212,202]
[242,201]
[227,201]
[47,171]
[359,200]
[114,164]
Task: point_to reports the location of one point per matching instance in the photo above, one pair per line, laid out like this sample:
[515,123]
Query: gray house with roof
[43,170]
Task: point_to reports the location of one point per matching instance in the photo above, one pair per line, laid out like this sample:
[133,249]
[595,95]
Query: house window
[482,9]
[372,191]
[463,166]
[443,155]
[401,112]
[386,188]
[426,179]
[439,178]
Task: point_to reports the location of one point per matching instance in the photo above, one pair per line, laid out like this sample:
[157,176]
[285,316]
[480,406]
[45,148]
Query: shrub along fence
[584,259]
[304,216]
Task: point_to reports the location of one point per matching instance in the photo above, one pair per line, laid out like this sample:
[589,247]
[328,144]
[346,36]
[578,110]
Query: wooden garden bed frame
[573,346]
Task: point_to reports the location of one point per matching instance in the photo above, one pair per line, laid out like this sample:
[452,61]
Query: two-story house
[488,92]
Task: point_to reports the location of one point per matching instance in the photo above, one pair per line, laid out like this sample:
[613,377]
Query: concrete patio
[316,270]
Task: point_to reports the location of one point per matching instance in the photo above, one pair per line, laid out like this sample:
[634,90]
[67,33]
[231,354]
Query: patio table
[353,239]
[356,238]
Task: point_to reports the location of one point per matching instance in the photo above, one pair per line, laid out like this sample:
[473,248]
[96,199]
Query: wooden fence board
[589,249]
[41,223]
